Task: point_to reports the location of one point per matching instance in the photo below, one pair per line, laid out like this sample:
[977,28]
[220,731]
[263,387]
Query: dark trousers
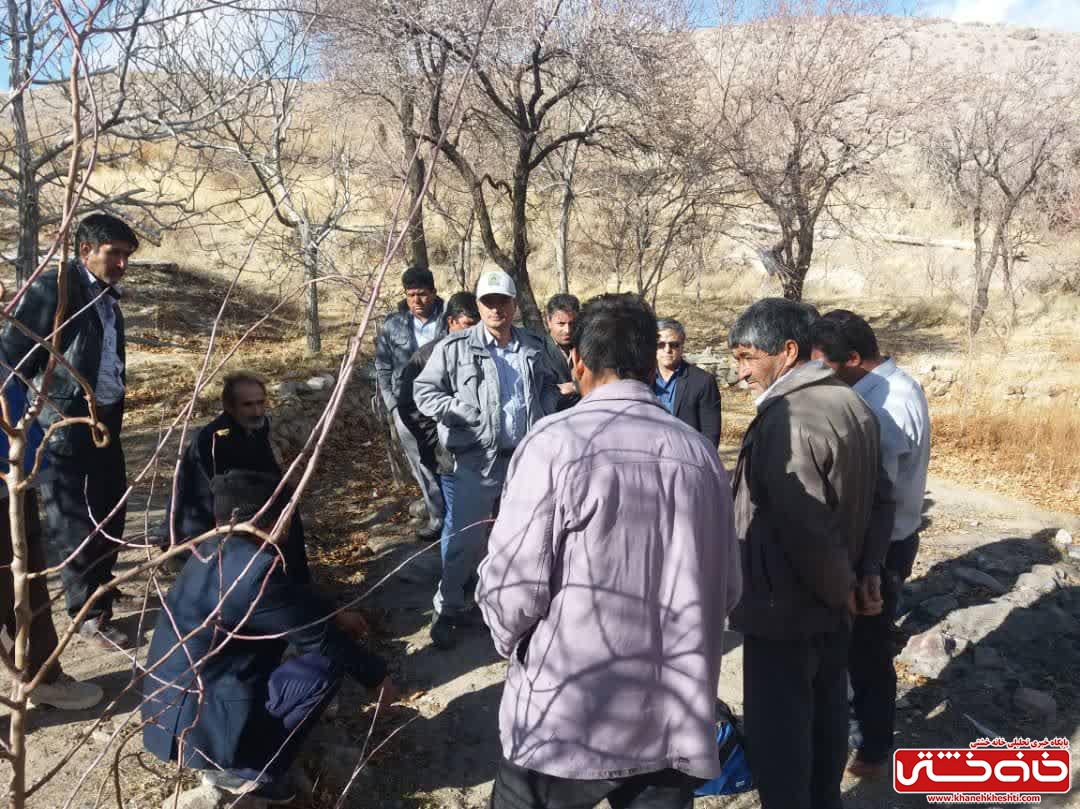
[298,692]
[795,703]
[518,788]
[873,675]
[83,490]
[42,640]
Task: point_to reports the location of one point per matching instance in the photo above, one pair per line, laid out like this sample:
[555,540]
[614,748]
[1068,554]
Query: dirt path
[446,753]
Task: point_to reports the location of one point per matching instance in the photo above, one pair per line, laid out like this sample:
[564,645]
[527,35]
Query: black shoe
[278,791]
[444,632]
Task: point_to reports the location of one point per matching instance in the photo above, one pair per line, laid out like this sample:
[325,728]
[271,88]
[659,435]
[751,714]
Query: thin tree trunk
[310,254]
[28,215]
[23,617]
[562,240]
[530,311]
[417,240]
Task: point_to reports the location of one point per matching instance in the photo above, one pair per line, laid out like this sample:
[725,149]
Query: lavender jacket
[610,571]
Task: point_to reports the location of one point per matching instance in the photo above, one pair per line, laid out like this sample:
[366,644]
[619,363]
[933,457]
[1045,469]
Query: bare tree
[1001,143]
[809,95]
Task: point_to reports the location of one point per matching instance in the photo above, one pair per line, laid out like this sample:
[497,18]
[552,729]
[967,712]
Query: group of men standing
[614,526]
[584,517]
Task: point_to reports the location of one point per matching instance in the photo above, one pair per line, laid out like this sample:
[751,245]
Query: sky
[1059,15]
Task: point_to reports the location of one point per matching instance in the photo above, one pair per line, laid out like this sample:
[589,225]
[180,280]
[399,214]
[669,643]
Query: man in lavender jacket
[610,571]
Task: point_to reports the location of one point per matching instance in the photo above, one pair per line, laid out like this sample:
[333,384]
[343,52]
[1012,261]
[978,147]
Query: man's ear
[577,366]
[791,353]
[85,249]
[854,359]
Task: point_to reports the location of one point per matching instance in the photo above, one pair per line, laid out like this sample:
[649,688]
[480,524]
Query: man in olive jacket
[804,491]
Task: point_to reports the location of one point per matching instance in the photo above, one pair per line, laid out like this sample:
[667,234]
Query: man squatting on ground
[418,321]
[89,477]
[486,387]
[847,344]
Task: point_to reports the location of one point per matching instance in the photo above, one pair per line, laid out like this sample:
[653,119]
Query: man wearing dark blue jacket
[218,697]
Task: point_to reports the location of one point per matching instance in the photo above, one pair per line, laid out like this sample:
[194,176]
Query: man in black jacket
[237,439]
[221,700]
[89,477]
[562,313]
[461,313]
[689,393]
[417,322]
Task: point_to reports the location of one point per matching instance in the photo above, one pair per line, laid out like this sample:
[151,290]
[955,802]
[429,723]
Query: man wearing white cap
[486,387]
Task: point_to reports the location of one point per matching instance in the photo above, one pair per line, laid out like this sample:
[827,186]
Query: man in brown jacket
[804,490]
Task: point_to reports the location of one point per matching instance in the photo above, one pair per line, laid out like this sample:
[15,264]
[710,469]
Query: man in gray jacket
[486,387]
[804,491]
[418,321]
[611,569]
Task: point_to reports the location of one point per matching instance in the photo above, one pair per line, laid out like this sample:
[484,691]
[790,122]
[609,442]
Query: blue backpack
[735,775]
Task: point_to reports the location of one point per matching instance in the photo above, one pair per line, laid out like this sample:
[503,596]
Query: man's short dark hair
[99,228]
[233,381]
[563,302]
[462,304]
[825,336]
[771,322]
[418,278]
[617,332]
[855,332]
[240,493]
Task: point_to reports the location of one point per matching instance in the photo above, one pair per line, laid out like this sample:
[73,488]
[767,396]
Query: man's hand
[869,597]
[567,388]
[354,624]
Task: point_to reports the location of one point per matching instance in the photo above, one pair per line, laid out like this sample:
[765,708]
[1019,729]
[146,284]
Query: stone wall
[298,403]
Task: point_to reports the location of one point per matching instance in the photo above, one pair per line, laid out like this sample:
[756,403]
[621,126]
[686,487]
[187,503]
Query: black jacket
[220,446]
[426,430]
[697,402]
[557,360]
[81,342]
[227,728]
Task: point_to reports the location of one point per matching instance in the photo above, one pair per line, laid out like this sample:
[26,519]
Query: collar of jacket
[809,373]
[629,390]
[91,284]
[878,376]
[527,341]
[437,312]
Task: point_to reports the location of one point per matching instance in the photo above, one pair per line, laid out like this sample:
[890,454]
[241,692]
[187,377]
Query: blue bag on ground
[735,776]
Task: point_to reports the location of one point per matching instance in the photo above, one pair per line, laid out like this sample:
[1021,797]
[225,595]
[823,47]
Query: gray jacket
[394,345]
[459,388]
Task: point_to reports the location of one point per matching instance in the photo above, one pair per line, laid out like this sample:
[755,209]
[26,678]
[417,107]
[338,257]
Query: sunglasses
[674,345]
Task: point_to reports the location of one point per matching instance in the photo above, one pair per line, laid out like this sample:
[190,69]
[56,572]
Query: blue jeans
[476,491]
[446,486]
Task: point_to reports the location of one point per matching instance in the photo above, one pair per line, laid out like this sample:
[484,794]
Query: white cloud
[1060,15]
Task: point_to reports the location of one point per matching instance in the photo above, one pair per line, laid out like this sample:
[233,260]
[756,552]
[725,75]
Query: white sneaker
[66,694]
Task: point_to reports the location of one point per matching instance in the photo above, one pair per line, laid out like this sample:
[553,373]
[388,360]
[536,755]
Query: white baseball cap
[495,282]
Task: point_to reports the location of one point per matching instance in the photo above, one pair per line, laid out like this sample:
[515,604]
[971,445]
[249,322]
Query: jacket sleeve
[549,385]
[296,610]
[36,311]
[515,577]
[384,366]
[434,392]
[710,410]
[803,509]
[893,445]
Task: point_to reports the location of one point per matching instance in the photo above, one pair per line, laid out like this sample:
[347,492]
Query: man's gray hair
[771,322]
[671,324]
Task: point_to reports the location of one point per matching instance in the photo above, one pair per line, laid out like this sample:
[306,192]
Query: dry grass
[1032,450]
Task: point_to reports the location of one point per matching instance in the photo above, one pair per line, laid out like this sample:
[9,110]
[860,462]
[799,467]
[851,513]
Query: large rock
[980,579]
[208,797]
[928,654]
[1062,540]
[937,607]
[1036,703]
[1041,579]
[975,623]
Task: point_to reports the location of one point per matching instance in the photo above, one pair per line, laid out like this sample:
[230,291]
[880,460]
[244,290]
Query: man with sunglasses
[686,391]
